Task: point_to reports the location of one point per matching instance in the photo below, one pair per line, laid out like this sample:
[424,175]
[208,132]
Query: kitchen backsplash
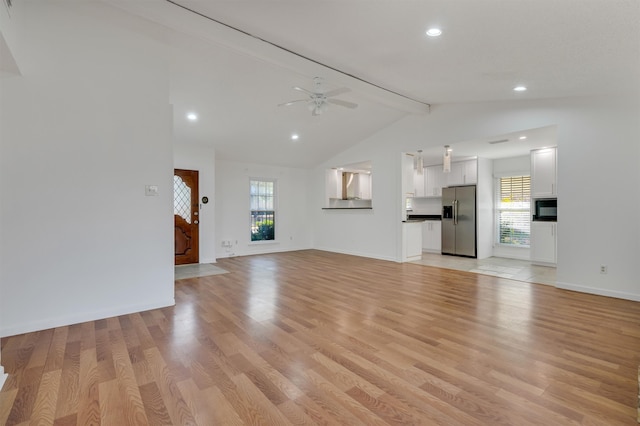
[427,205]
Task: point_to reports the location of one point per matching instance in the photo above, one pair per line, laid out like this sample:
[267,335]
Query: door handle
[455,212]
[195,222]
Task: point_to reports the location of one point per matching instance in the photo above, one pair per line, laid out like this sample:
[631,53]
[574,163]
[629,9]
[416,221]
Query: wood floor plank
[313,337]
[197,402]
[89,398]
[44,410]
[171,396]
[157,413]
[134,407]
[295,413]
[7,399]
[67,403]
[111,404]
[261,411]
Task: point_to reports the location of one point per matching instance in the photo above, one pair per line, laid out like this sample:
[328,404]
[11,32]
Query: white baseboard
[3,377]
[412,259]
[599,291]
[44,324]
[264,249]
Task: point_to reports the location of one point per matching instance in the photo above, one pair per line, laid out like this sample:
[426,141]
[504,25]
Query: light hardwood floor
[312,337]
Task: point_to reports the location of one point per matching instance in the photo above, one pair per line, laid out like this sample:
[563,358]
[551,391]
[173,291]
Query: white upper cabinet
[433,181]
[543,172]
[471,172]
[418,182]
[463,173]
[456,175]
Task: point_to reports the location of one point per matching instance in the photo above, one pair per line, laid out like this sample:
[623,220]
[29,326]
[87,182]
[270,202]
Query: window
[514,210]
[263,200]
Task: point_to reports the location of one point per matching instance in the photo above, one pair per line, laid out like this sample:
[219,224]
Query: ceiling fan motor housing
[319,98]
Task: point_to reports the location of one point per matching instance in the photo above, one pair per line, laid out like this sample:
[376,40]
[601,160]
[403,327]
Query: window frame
[273,212]
[500,209]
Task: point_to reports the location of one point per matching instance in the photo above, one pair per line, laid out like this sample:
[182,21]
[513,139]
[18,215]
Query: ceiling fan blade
[342,103]
[300,89]
[337,92]
[293,102]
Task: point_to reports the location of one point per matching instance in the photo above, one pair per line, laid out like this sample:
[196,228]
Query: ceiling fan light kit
[318,100]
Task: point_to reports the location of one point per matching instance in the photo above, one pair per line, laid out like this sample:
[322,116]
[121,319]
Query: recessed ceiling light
[522,138]
[192,116]
[434,32]
[519,88]
[294,137]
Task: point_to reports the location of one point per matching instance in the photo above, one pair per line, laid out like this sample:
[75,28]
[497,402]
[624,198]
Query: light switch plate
[151,190]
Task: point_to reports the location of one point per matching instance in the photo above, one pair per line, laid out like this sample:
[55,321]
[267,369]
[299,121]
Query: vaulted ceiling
[233,62]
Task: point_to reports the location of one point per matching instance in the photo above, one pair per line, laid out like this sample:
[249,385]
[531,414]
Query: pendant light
[446,160]
[419,163]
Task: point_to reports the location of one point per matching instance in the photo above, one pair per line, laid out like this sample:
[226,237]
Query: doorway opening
[186,216]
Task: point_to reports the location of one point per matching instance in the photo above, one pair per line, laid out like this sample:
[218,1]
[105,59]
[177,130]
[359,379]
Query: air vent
[500,141]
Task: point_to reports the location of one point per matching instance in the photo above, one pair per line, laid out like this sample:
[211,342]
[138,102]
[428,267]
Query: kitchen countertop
[422,217]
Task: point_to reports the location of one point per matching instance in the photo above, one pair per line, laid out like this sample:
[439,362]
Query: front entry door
[186,216]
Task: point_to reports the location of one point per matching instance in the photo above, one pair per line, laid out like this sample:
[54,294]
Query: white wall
[485,209]
[8,37]
[513,166]
[371,233]
[293,222]
[202,159]
[80,240]
[591,132]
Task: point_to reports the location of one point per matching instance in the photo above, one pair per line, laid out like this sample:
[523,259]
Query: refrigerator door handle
[455,212]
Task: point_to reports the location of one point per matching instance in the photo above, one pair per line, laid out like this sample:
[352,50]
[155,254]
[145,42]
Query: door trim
[192,254]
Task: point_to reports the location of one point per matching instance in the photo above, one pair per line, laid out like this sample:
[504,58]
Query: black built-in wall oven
[545,209]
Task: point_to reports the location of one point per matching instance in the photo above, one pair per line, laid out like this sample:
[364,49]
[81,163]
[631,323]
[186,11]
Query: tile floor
[520,270]
[197,270]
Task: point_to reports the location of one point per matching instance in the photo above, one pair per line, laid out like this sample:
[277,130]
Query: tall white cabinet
[544,235]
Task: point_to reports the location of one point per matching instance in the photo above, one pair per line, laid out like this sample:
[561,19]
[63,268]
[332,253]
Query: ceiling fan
[319,99]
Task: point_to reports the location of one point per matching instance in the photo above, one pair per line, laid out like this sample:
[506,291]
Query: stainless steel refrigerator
[459,221]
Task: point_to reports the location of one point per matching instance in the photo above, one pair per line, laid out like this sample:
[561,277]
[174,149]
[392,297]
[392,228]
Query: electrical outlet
[603,269]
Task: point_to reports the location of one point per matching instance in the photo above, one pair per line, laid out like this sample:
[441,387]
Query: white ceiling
[557,48]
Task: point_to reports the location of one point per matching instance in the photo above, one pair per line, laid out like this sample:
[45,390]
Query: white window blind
[514,211]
